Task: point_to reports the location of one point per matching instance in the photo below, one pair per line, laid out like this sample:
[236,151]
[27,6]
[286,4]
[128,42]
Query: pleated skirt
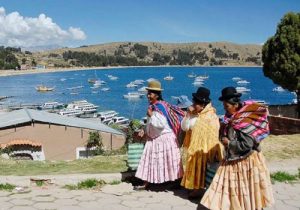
[161,160]
[241,184]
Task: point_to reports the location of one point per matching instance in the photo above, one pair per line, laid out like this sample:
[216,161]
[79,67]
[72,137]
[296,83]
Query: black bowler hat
[228,93]
[202,95]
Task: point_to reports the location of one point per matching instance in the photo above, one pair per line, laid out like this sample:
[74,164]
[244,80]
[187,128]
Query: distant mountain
[150,53]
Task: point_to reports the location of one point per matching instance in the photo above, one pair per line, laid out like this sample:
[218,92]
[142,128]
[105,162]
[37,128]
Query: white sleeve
[188,123]
[185,123]
[157,120]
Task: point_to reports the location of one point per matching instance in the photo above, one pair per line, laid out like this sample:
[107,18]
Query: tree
[281,55]
[95,140]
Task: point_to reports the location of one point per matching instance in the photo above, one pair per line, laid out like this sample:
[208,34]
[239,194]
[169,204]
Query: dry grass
[281,147]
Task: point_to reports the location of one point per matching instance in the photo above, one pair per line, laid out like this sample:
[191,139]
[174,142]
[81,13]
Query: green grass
[281,176]
[86,184]
[7,187]
[99,164]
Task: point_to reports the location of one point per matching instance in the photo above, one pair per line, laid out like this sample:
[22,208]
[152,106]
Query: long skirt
[241,184]
[161,160]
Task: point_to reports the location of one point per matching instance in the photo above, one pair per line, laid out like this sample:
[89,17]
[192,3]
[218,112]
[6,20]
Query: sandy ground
[4,73]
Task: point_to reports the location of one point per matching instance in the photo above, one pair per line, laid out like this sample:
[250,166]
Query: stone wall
[283,125]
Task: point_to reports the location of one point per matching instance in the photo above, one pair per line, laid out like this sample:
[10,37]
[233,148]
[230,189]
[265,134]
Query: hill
[147,53]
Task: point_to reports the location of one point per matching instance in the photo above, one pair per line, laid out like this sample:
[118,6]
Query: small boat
[243,82]
[132,95]
[105,89]
[278,89]
[131,85]
[168,78]
[242,89]
[236,78]
[151,79]
[192,75]
[106,116]
[263,102]
[111,77]
[42,88]
[76,87]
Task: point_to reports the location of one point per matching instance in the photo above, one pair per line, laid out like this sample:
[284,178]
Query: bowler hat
[154,85]
[183,102]
[202,95]
[228,93]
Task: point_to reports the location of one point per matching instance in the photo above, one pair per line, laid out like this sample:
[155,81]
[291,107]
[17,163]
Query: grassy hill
[148,53]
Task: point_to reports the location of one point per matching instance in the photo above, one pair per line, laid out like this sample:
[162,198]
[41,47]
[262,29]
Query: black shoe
[140,188]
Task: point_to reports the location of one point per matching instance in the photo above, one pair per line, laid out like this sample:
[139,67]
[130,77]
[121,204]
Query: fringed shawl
[251,119]
[173,114]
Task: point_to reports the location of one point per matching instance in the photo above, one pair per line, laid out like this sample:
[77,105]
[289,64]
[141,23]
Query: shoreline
[5,73]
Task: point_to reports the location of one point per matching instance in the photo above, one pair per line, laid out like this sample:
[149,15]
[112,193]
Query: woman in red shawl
[161,160]
[242,181]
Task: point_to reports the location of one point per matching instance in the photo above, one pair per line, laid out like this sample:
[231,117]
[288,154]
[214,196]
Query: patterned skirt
[241,184]
[161,160]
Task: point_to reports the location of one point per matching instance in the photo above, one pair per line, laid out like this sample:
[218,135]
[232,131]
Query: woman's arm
[241,144]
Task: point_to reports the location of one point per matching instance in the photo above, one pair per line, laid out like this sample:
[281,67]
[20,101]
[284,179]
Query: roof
[21,142]
[30,115]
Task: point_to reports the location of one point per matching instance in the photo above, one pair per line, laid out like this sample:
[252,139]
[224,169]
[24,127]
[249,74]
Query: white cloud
[16,30]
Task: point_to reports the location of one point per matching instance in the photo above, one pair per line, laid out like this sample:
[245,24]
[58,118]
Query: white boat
[105,89]
[83,106]
[242,82]
[120,121]
[131,85]
[52,105]
[204,77]
[63,79]
[278,89]
[111,77]
[198,83]
[106,116]
[142,89]
[71,112]
[192,75]
[168,78]
[138,82]
[236,78]
[242,89]
[132,95]
[76,87]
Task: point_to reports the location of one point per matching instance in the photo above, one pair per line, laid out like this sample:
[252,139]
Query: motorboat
[71,112]
[242,89]
[75,87]
[168,78]
[278,89]
[131,85]
[52,105]
[83,106]
[132,95]
[42,88]
[105,89]
[106,116]
[123,121]
[192,75]
[142,89]
[111,77]
[236,78]
[242,82]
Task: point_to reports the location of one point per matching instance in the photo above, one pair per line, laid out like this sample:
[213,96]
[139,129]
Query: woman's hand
[149,112]
[141,133]
[225,141]
[190,111]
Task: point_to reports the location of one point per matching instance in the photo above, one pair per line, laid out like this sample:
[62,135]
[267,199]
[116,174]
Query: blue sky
[85,22]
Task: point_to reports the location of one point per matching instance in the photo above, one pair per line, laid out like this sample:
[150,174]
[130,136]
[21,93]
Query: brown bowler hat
[154,85]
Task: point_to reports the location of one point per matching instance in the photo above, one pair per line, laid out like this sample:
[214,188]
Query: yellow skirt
[241,184]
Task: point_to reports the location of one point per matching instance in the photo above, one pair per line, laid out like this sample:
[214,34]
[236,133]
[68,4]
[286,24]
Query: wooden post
[111,142]
[81,133]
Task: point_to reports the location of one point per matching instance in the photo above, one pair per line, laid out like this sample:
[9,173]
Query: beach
[4,73]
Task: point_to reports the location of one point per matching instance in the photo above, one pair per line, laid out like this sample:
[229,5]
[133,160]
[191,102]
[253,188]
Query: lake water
[22,87]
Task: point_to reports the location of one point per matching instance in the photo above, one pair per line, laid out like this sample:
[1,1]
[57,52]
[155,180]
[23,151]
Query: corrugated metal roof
[29,115]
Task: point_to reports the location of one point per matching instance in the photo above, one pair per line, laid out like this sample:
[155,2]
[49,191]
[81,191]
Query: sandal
[140,187]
